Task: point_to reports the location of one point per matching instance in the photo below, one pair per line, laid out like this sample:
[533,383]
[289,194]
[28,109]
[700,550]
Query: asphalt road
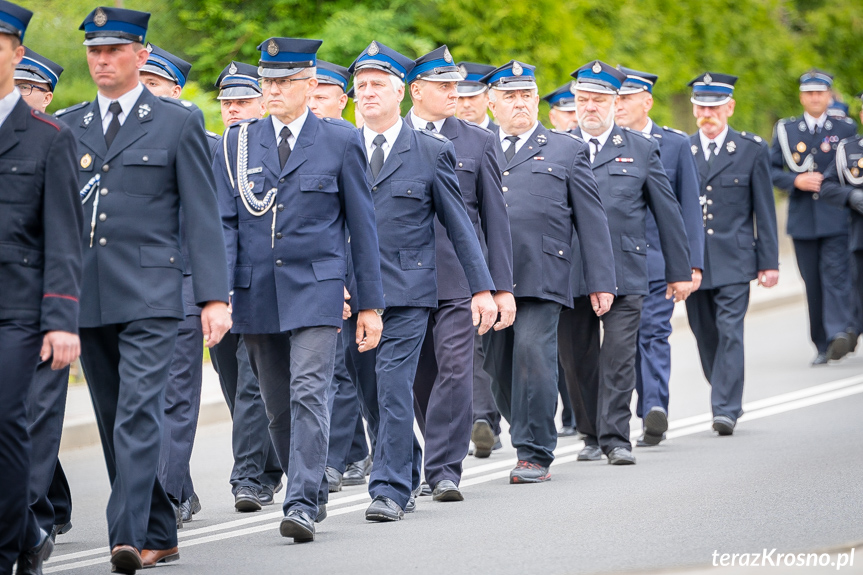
[789,479]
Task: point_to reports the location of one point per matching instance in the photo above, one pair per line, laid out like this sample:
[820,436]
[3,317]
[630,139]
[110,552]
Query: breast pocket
[407,204]
[625,179]
[144,172]
[320,196]
[18,185]
[735,188]
[552,183]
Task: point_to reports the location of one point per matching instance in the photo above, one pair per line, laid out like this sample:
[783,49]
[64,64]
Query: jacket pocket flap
[139,157]
[318,183]
[549,168]
[242,276]
[329,269]
[734,180]
[622,169]
[557,248]
[466,164]
[408,189]
[15,254]
[162,257]
[633,244]
[746,241]
[417,259]
[13,167]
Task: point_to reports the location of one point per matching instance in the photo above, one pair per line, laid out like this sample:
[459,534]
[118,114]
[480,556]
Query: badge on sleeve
[86,161]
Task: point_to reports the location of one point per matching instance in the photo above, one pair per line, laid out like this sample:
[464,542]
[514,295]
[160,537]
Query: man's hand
[215,322]
[369,329]
[346,312]
[484,311]
[505,303]
[65,348]
[601,302]
[768,278]
[808,181]
[696,279]
[678,290]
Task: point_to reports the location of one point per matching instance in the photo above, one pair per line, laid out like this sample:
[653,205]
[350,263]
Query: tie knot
[711,146]
[595,142]
[379,140]
[115,108]
[285,134]
[512,139]
[431,127]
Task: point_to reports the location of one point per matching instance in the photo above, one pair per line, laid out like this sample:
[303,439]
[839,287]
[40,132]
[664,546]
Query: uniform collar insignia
[88,117]
[694,149]
[617,139]
[802,126]
[731,146]
[143,111]
[541,139]
[828,125]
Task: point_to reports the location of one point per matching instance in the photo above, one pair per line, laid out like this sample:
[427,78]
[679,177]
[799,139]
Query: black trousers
[347,433]
[19,353]
[126,366]
[600,379]
[483,400]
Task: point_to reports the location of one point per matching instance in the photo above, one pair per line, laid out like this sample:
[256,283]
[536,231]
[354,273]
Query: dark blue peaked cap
[379,57]
[436,66]
[816,80]
[712,89]
[163,63]
[513,75]
[473,73]
[637,81]
[562,98]
[329,73]
[283,57]
[597,76]
[14,19]
[37,68]
[238,81]
[105,26]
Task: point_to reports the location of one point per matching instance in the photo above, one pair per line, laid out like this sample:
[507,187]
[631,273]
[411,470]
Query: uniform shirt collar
[812,122]
[7,104]
[420,123]
[391,134]
[648,128]
[294,127]
[127,102]
[485,122]
[720,139]
[522,138]
[603,137]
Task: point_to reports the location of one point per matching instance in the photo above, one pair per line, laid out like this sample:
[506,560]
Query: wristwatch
[379,311]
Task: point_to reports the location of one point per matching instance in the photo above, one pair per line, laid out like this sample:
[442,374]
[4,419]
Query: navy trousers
[824,266]
[294,369]
[255,460]
[483,400]
[182,406]
[384,378]
[45,412]
[522,361]
[20,343]
[601,378]
[567,415]
[858,291]
[653,359]
[443,389]
[716,318]
[126,366]
[347,433]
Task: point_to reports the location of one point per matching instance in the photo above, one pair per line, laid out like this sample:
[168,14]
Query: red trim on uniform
[44,118]
[61,296]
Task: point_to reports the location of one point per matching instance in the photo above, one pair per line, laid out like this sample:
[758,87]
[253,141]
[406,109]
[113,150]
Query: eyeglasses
[27,89]
[281,83]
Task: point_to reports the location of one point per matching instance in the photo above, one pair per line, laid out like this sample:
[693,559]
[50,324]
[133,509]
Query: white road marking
[758,409]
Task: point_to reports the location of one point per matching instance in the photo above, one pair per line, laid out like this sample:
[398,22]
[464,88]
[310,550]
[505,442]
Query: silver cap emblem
[708,78]
[597,68]
[100,18]
[447,56]
[373,49]
[517,70]
[272,48]
[232,69]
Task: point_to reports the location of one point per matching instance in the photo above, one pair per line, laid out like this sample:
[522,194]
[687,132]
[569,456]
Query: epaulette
[790,120]
[42,117]
[753,137]
[565,133]
[848,120]
[64,111]
[639,132]
[435,135]
[213,135]
[341,122]
[675,130]
[182,103]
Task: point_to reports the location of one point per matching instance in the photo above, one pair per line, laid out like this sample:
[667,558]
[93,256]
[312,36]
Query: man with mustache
[631,179]
[740,242]
[802,149]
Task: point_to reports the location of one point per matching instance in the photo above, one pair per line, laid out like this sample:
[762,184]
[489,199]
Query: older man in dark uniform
[653,360]
[139,157]
[288,269]
[413,175]
[631,181]
[40,274]
[443,388]
[802,149]
[740,240]
[549,192]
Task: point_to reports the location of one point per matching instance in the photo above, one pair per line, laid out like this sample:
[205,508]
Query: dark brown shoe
[125,559]
[152,556]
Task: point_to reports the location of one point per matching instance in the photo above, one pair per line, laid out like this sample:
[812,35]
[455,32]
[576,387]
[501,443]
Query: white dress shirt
[705,141]
[8,103]
[811,122]
[420,123]
[390,134]
[602,138]
[485,122]
[648,128]
[522,138]
[127,102]
[294,127]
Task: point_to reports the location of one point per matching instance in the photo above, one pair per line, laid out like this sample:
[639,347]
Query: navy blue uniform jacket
[836,191]
[292,275]
[40,222]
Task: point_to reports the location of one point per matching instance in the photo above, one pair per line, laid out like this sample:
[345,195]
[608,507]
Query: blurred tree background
[768,43]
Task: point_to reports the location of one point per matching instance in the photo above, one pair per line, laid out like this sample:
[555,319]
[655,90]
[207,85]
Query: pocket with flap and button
[552,183]
[735,188]
[161,256]
[407,202]
[556,264]
[626,179]
[319,198]
[17,177]
[145,171]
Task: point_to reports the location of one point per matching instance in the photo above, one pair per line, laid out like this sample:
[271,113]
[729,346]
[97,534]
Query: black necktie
[595,143]
[711,153]
[377,161]
[284,147]
[510,151]
[430,127]
[114,126]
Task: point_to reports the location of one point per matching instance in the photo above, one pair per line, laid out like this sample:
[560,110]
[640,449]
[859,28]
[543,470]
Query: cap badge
[801,147]
[86,160]
[694,149]
[463,70]
[232,69]
[517,70]
[88,117]
[708,78]
[143,111]
[100,18]
[373,49]
[617,140]
[272,48]
[149,48]
[597,68]
[447,56]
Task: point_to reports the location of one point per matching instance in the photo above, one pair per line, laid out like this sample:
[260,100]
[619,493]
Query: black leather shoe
[179,513]
[590,453]
[334,480]
[60,529]
[567,431]
[656,422]
[854,335]
[190,507]
[30,562]
[246,500]
[384,509]
[840,346]
[497,443]
[424,490]
[723,425]
[621,456]
[529,472]
[482,436]
[647,440]
[820,359]
[356,472]
[447,490]
[412,504]
[322,513]
[298,525]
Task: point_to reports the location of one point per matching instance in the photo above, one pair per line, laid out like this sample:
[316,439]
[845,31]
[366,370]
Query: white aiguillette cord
[254,206]
[88,190]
